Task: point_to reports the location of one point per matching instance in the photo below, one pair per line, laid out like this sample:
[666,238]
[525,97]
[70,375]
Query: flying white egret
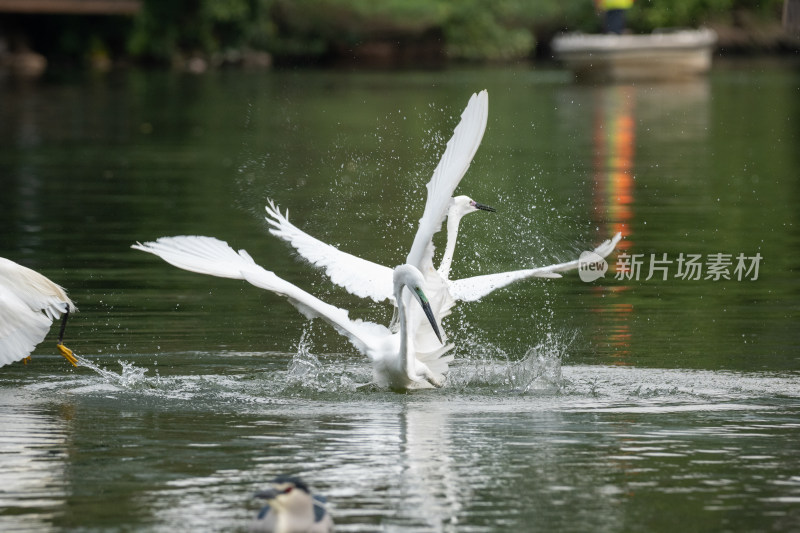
[367,279]
[397,363]
[350,272]
[460,207]
[29,302]
[291,508]
[371,280]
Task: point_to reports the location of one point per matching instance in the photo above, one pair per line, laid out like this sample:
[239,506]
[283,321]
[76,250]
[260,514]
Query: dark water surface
[622,404]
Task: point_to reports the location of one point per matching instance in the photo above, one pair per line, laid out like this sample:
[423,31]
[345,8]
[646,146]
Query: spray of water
[130,376]
[306,371]
[538,370]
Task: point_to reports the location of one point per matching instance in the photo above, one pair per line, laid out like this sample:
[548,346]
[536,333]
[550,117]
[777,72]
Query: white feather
[358,276]
[29,302]
[475,288]
[207,255]
[452,166]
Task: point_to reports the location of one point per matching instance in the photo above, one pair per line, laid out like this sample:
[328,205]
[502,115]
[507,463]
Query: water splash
[306,371]
[305,366]
[129,377]
[539,370]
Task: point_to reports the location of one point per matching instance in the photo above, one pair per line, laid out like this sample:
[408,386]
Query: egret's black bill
[485,207]
[429,313]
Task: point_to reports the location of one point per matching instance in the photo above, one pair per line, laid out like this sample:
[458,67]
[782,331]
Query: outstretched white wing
[207,255]
[21,328]
[359,276]
[452,166]
[475,288]
[365,278]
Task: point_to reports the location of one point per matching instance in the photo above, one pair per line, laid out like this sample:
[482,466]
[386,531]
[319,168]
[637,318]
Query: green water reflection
[90,165]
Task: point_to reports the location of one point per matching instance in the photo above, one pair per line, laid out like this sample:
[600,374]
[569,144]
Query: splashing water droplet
[130,376]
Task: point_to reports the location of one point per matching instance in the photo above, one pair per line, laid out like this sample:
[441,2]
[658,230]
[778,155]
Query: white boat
[674,54]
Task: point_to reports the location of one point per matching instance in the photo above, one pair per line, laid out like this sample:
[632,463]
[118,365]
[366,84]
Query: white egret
[397,363]
[367,279]
[344,268]
[460,207]
[291,508]
[348,271]
[29,302]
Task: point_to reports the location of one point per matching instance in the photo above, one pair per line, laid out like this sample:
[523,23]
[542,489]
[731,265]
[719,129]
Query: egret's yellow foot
[26,360]
[67,353]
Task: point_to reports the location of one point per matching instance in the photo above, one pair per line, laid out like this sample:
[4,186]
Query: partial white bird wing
[367,279]
[34,289]
[475,288]
[21,328]
[452,166]
[358,276]
[207,255]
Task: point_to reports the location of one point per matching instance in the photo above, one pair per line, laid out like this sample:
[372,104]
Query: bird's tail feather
[439,360]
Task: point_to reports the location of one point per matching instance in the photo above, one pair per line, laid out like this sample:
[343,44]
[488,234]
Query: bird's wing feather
[603,250]
[207,255]
[358,276]
[21,328]
[452,166]
[475,288]
[34,289]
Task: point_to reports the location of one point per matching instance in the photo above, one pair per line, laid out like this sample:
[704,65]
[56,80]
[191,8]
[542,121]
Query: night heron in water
[29,302]
[291,508]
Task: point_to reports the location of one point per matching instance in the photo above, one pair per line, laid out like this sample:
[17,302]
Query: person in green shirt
[614,10]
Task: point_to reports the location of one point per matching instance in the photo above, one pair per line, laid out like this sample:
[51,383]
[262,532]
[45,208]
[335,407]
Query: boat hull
[661,55]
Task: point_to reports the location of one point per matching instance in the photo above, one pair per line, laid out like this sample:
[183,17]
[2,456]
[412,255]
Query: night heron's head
[291,507]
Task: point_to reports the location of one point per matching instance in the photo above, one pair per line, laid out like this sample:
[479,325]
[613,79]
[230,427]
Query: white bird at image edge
[29,302]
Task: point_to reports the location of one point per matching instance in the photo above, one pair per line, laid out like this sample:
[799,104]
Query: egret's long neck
[453,220]
[405,342]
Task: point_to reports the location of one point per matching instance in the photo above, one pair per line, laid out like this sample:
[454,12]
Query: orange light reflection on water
[614,148]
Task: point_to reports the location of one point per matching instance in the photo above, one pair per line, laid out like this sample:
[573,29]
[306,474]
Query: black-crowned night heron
[291,508]
[29,302]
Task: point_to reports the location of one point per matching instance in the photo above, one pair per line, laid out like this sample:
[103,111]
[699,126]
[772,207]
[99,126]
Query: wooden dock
[72,7]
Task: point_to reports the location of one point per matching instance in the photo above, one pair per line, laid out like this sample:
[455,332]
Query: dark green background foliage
[316,30]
